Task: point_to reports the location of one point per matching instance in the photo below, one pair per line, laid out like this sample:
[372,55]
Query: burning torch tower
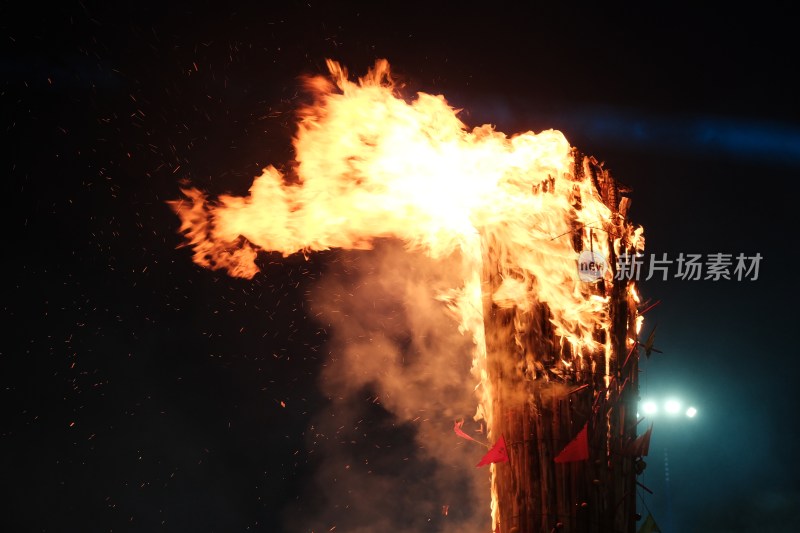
[554,347]
[546,391]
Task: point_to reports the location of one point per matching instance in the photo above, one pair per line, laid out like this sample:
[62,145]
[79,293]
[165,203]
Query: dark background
[143,393]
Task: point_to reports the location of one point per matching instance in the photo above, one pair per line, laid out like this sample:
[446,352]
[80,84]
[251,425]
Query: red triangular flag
[497,454]
[577,449]
[641,445]
[460,432]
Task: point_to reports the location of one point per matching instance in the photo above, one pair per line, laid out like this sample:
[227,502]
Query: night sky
[141,392]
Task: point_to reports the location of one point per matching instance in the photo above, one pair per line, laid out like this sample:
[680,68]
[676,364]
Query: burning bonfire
[554,362]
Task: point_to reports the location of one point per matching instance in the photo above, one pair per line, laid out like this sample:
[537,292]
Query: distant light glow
[650,408]
[672,406]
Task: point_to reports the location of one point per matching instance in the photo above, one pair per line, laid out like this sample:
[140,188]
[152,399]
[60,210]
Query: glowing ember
[372,165]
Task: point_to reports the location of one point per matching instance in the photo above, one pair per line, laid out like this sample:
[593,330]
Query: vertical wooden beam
[538,415]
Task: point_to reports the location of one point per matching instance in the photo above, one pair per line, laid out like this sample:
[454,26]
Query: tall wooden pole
[540,406]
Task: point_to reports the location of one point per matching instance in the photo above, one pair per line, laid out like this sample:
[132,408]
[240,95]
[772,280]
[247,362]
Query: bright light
[649,408]
[672,406]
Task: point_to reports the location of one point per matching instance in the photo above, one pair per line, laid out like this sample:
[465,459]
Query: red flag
[640,446]
[577,449]
[460,432]
[497,454]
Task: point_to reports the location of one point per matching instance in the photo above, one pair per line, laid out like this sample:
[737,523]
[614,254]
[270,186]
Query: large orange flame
[372,165]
